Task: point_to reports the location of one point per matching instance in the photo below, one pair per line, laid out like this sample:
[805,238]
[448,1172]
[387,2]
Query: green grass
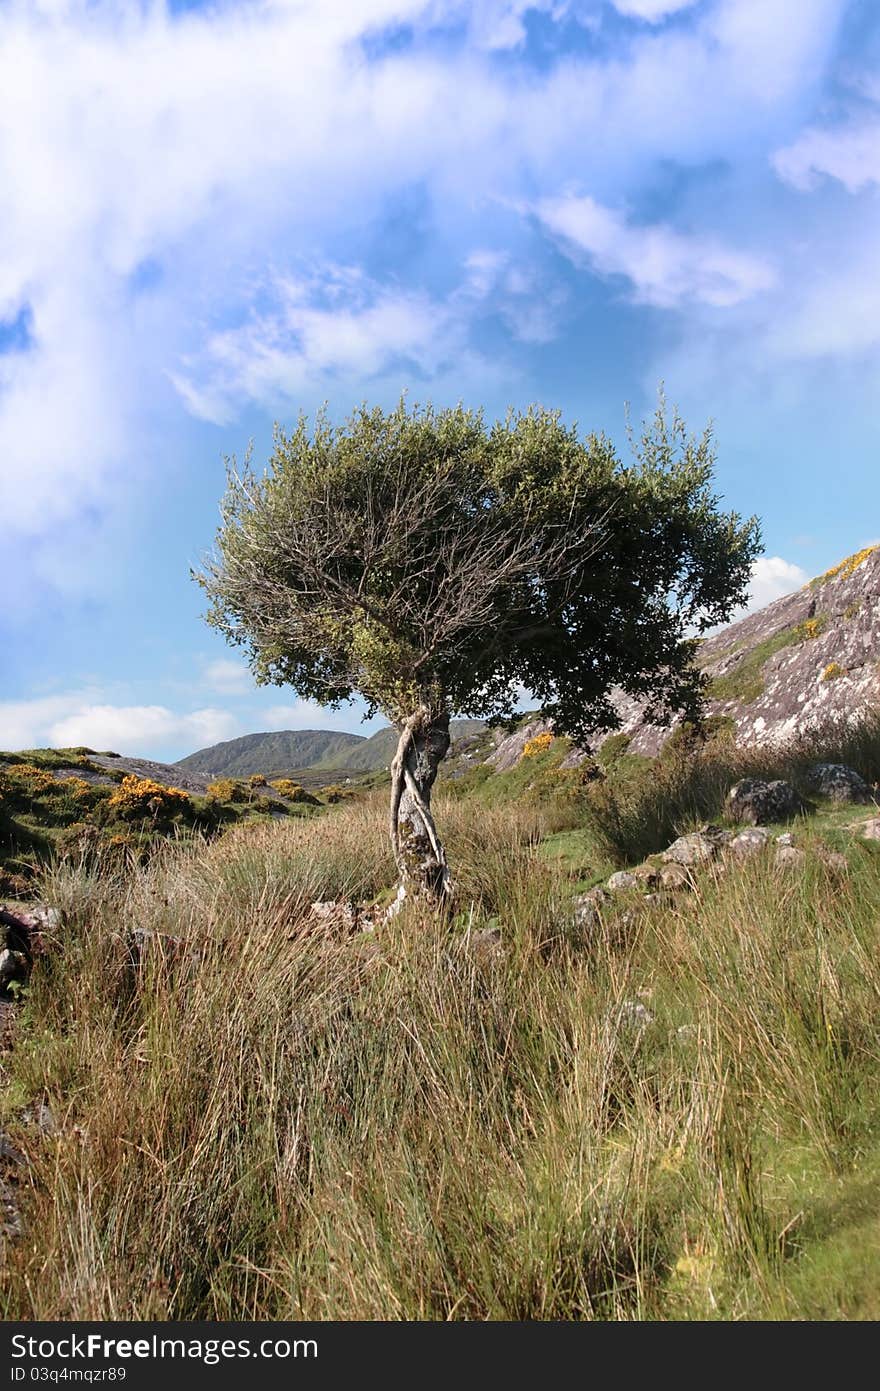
[746,681]
[259,1120]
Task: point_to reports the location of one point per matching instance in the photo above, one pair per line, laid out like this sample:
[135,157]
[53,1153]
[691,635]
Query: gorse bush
[228,790]
[142,797]
[292,791]
[539,744]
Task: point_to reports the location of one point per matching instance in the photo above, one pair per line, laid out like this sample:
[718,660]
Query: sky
[213,216]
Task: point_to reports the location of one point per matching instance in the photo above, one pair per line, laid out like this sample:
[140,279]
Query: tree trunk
[418,850]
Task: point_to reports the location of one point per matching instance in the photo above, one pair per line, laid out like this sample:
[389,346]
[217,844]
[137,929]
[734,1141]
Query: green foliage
[228,790]
[426,558]
[613,748]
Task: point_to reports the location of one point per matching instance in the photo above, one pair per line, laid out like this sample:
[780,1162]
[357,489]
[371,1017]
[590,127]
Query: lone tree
[432,564]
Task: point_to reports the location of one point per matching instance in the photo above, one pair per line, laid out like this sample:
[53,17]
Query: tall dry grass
[253,1121]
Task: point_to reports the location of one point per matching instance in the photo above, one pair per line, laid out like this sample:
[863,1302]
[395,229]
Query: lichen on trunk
[418,850]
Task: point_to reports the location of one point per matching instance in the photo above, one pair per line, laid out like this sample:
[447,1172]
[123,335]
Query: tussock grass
[258,1121]
[631,817]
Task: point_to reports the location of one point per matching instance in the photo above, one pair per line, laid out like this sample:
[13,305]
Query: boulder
[674,876]
[870,830]
[695,849]
[837,782]
[621,881]
[749,842]
[757,801]
[834,860]
[633,1016]
[587,908]
[647,875]
[789,857]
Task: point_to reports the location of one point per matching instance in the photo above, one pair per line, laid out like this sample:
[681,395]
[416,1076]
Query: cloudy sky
[213,215]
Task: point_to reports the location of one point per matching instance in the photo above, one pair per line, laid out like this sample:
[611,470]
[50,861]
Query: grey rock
[785,839]
[789,857]
[621,881]
[749,843]
[694,849]
[757,802]
[587,907]
[633,1015]
[834,860]
[870,830]
[837,782]
[674,876]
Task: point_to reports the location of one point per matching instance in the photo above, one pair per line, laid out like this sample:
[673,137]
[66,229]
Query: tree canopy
[422,557]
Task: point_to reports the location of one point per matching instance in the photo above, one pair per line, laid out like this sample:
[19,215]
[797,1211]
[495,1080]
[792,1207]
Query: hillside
[291,750]
[274,752]
[805,661]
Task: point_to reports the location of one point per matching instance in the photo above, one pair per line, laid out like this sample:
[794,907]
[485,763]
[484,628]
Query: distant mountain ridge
[274,751]
[318,750]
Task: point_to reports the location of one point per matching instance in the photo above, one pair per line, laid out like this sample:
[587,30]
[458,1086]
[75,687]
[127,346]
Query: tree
[432,564]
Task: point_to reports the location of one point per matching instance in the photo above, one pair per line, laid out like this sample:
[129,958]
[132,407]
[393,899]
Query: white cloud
[211,143]
[654,11]
[666,268]
[78,718]
[773,577]
[227,677]
[850,154]
[307,714]
[337,323]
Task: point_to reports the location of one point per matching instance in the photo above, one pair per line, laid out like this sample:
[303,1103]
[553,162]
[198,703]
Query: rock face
[838,783]
[756,801]
[807,659]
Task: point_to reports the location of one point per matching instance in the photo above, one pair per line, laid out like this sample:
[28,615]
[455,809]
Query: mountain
[279,751]
[807,658]
[319,750]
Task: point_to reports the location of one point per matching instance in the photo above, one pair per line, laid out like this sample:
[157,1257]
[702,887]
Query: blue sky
[211,216]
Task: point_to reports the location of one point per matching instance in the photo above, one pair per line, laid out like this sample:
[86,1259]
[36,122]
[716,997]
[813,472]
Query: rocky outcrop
[805,660]
[808,659]
[837,782]
[756,801]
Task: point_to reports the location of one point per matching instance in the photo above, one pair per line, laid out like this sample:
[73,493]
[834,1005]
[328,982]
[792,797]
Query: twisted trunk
[418,850]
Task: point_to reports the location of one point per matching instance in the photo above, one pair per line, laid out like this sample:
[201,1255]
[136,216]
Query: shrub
[228,790]
[811,628]
[613,748]
[257,780]
[540,744]
[833,670]
[143,797]
[291,790]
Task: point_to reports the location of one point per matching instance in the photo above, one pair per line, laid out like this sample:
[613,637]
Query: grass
[746,680]
[257,1120]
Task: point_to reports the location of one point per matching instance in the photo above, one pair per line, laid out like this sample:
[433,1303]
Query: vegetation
[845,568]
[540,744]
[431,564]
[745,682]
[670,1115]
[44,813]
